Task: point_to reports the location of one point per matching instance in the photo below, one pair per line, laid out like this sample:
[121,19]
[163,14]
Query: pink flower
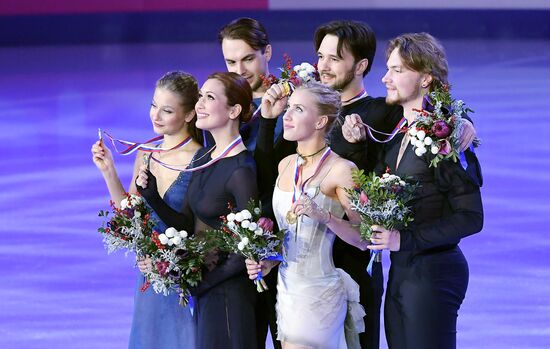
[363,198]
[161,267]
[265,223]
[444,147]
[441,129]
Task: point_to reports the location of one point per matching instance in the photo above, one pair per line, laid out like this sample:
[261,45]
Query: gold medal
[286,88]
[291,217]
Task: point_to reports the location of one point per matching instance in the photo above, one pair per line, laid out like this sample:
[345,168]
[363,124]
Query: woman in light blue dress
[159,321]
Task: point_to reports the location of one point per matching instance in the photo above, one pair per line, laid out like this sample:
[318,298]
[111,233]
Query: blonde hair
[328,101]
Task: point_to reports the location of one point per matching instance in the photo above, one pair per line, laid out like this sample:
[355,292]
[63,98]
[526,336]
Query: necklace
[302,158]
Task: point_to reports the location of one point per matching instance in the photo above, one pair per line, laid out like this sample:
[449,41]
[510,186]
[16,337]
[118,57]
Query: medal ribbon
[131,147]
[238,140]
[400,125]
[298,172]
[357,97]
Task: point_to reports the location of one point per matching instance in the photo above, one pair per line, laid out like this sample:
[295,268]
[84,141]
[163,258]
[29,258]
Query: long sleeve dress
[225,300]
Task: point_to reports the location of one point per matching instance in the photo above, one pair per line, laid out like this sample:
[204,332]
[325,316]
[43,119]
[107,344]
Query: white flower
[385,175]
[428,141]
[257,210]
[419,144]
[124,203]
[259,232]
[246,214]
[170,242]
[240,246]
[170,232]
[135,200]
[176,240]
[183,234]
[413,141]
[303,74]
[252,226]
[421,134]
[310,69]
[434,149]
[245,224]
[420,151]
[231,217]
[239,217]
[163,239]
[296,68]
[245,241]
[137,214]
[413,131]
[231,225]
[402,183]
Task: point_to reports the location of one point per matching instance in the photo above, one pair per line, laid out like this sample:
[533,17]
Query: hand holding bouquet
[249,234]
[176,262]
[126,225]
[381,201]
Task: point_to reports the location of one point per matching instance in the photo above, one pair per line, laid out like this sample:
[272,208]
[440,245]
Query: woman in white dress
[317,304]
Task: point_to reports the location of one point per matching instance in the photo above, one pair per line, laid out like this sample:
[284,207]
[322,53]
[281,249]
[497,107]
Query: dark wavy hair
[356,36]
[247,29]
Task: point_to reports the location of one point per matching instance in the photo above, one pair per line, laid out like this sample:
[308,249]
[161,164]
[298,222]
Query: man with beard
[345,51]
[247,52]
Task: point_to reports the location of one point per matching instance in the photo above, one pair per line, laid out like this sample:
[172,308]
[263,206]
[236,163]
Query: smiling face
[167,114]
[212,109]
[335,71]
[242,59]
[403,85]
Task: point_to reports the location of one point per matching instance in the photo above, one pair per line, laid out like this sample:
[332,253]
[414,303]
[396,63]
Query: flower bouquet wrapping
[249,234]
[380,201]
[438,126]
[126,225]
[176,262]
[292,77]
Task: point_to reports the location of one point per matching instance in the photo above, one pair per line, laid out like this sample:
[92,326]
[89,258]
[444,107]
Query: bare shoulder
[285,162]
[341,166]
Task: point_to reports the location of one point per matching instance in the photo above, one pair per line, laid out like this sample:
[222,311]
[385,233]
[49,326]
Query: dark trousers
[422,299]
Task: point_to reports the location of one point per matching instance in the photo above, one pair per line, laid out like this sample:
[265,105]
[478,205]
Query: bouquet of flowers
[177,261]
[249,234]
[438,126]
[126,225]
[292,77]
[381,201]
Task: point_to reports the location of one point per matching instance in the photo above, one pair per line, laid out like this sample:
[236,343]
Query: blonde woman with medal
[158,320]
[314,299]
